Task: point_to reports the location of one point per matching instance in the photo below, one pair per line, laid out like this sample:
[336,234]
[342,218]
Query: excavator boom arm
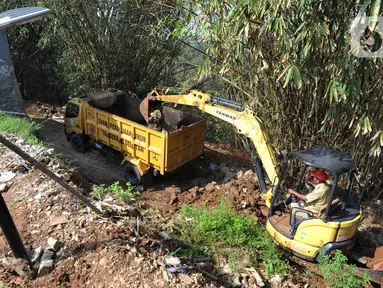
[243,118]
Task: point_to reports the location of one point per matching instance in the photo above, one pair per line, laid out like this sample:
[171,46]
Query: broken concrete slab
[57,219]
[54,244]
[37,255]
[45,268]
[47,255]
[7,176]
[3,187]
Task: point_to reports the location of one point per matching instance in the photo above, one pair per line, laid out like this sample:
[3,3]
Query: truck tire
[80,143]
[132,174]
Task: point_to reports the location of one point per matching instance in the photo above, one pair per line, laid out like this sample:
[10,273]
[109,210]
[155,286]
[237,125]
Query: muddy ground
[128,250]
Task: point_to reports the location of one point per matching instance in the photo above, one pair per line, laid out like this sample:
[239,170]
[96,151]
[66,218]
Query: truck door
[73,119]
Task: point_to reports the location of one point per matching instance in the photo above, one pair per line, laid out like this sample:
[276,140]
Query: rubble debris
[209,187]
[18,265]
[249,174]
[46,264]
[103,261]
[7,176]
[236,280]
[48,255]
[185,279]
[47,172]
[3,187]
[276,281]
[45,268]
[54,244]
[57,220]
[37,255]
[257,277]
[239,175]
[227,269]
[165,275]
[155,117]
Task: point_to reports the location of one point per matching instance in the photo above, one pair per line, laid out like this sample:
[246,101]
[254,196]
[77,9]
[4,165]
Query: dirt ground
[128,250]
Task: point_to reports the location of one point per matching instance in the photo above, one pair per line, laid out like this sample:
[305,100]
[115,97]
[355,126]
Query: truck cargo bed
[122,127]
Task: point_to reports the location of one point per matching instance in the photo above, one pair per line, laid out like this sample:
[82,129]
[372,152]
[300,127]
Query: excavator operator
[315,200]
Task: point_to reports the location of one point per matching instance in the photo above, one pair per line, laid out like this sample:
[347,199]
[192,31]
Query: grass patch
[128,194]
[242,241]
[337,274]
[20,126]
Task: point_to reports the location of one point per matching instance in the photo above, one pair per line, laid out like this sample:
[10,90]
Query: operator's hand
[291,191]
[295,193]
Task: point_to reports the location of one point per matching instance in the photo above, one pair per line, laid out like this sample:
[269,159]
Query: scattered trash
[32,154]
[25,166]
[213,166]
[173,261]
[176,269]
[174,252]
[166,236]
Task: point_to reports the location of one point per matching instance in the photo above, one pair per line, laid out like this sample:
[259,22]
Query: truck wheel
[132,174]
[80,143]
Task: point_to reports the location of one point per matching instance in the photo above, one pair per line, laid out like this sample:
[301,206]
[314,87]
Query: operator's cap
[320,175]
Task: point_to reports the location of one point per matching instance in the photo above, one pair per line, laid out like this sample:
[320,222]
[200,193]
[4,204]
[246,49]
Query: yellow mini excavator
[334,227]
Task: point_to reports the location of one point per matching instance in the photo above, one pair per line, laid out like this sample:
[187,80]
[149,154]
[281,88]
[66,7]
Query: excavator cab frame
[334,227]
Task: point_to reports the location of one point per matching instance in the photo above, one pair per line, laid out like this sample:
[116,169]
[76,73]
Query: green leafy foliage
[98,191]
[337,275]
[21,126]
[127,194]
[241,240]
[292,63]
[93,45]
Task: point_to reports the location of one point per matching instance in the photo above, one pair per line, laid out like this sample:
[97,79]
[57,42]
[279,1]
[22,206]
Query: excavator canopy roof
[325,158]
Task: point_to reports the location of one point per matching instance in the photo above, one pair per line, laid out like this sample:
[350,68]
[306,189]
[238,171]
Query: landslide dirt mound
[240,189]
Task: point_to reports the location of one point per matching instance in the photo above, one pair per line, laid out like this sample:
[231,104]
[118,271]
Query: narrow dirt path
[93,166]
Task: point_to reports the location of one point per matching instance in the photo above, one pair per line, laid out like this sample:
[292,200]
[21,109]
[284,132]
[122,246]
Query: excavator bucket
[144,109]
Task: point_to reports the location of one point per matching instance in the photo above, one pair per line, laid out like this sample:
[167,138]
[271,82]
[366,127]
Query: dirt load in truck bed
[125,106]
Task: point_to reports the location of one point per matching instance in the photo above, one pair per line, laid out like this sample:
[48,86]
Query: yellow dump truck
[112,120]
